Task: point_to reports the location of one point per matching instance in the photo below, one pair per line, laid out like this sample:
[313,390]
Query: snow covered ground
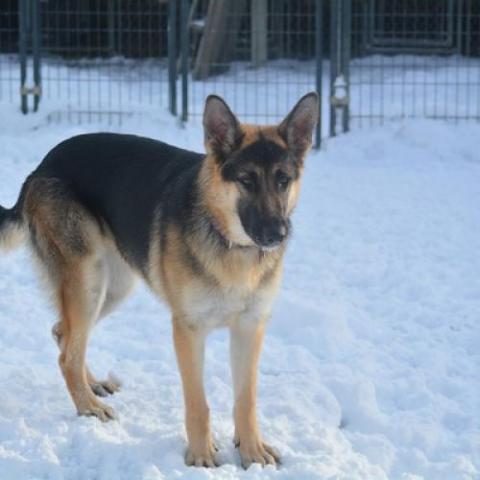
[371,363]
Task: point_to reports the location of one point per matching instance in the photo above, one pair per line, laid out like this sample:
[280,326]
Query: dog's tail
[12,227]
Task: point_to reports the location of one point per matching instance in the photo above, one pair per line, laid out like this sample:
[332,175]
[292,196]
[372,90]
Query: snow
[371,361]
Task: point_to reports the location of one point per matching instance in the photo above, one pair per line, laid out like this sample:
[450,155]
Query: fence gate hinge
[340,96]
[35,90]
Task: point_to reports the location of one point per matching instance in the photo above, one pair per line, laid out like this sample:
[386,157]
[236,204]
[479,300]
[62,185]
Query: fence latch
[340,96]
[35,90]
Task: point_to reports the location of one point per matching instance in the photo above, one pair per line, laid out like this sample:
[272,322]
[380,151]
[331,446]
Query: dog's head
[252,173]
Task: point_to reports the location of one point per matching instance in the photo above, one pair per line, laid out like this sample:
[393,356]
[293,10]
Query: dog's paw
[104,388]
[203,456]
[256,451]
[99,410]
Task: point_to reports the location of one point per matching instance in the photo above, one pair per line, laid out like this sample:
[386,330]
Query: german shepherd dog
[207,232]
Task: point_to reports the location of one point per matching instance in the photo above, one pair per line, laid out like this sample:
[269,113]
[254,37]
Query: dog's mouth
[269,248]
[268,242]
[265,232]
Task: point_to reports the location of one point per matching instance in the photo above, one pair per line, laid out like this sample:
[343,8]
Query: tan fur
[225,281]
[154,274]
[242,284]
[293,196]
[251,133]
[235,279]
[246,345]
[72,247]
[11,236]
[73,250]
[189,347]
[238,293]
[220,198]
[75,319]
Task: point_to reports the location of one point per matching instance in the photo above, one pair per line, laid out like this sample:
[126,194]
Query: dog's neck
[211,232]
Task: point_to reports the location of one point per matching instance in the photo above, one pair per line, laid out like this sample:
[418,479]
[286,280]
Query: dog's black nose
[274,232]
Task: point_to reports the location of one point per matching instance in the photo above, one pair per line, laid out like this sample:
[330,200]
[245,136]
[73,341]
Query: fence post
[36,43]
[319,67]
[22,27]
[340,44]
[346,46]
[259,29]
[111,27]
[334,47]
[172,56]
[184,41]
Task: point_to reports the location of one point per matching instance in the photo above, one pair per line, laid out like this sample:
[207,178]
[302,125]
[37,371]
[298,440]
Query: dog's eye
[247,181]
[282,181]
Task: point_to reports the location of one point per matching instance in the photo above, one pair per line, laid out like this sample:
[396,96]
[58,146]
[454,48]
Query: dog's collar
[223,240]
[215,227]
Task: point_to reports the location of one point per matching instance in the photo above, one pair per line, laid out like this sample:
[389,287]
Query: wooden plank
[220,34]
[212,40]
[259,32]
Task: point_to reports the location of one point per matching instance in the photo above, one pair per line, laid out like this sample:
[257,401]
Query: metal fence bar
[334,46]
[36,46]
[172,55]
[319,67]
[345,62]
[184,42]
[23,38]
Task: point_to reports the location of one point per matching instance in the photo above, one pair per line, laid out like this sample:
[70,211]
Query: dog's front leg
[245,346]
[190,347]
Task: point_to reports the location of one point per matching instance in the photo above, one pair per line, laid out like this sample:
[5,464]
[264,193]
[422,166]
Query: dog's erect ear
[297,128]
[221,127]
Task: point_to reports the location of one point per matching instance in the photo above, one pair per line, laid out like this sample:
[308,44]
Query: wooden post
[259,11]
[212,41]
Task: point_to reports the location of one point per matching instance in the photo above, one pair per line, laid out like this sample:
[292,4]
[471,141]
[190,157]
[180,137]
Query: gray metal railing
[107,59]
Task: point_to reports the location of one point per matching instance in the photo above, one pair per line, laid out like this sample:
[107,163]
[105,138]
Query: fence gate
[402,59]
[9,58]
[260,55]
[90,60]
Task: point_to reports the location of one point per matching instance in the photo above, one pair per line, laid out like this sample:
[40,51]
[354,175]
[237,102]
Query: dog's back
[122,180]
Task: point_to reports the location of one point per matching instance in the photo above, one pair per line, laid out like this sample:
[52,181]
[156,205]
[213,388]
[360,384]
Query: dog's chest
[216,307]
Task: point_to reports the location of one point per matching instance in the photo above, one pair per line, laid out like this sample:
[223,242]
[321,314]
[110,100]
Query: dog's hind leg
[69,244]
[111,280]
[78,309]
[120,282]
[101,388]
[76,321]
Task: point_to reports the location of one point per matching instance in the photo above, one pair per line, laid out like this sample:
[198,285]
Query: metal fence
[404,59]
[101,60]
[9,49]
[260,55]
[104,58]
